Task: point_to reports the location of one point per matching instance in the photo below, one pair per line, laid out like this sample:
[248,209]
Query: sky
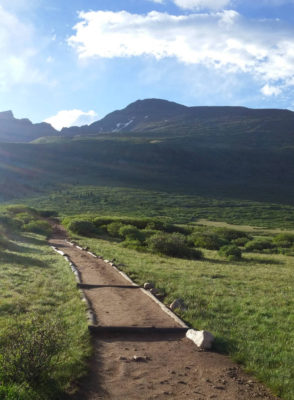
[70,62]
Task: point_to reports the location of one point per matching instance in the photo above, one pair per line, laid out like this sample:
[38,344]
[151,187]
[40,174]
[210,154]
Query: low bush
[25,218]
[99,221]
[231,252]
[18,209]
[284,240]
[131,232]
[113,229]
[47,213]
[230,234]
[40,227]
[259,244]
[241,241]
[208,241]
[132,244]
[18,392]
[30,354]
[82,227]
[139,223]
[173,245]
[148,232]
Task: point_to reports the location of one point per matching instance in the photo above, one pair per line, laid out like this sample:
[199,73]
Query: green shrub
[259,244]
[139,223]
[132,244]
[162,226]
[231,252]
[17,392]
[230,234]
[47,213]
[25,218]
[41,227]
[99,221]
[113,228]
[148,232]
[131,232]
[208,241]
[18,209]
[284,239]
[30,353]
[241,241]
[82,227]
[172,244]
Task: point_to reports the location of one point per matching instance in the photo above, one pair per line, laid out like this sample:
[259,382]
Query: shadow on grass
[19,248]
[24,261]
[262,261]
[214,261]
[224,346]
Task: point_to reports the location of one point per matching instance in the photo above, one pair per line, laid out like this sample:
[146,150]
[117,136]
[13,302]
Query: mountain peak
[6,115]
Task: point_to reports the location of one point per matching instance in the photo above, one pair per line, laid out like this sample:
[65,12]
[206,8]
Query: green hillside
[228,154]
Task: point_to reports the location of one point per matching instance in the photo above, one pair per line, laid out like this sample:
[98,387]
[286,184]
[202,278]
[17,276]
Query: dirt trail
[170,367]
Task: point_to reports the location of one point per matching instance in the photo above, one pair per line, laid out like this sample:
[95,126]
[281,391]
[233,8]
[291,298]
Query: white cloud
[202,4]
[67,118]
[158,1]
[268,90]
[219,40]
[17,52]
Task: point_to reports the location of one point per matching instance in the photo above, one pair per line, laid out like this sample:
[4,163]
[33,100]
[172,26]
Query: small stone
[219,387]
[139,359]
[148,285]
[202,339]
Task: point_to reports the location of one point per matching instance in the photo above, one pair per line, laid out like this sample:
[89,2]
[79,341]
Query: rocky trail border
[140,347]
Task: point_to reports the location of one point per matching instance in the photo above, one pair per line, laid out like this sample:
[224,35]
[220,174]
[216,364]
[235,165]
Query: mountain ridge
[159,119]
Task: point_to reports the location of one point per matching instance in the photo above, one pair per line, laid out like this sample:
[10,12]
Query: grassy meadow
[244,301]
[176,206]
[44,339]
[247,303]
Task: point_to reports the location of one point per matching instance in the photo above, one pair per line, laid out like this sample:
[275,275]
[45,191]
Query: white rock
[202,339]
[148,285]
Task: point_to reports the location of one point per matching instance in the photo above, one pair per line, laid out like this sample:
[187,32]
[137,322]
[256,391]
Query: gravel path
[153,366]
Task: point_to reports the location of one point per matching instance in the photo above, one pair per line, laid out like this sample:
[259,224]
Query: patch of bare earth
[147,366]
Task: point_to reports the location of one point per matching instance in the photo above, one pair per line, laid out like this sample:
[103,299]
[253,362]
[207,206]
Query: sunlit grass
[37,282]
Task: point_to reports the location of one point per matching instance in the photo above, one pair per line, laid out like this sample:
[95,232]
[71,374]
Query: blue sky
[72,61]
